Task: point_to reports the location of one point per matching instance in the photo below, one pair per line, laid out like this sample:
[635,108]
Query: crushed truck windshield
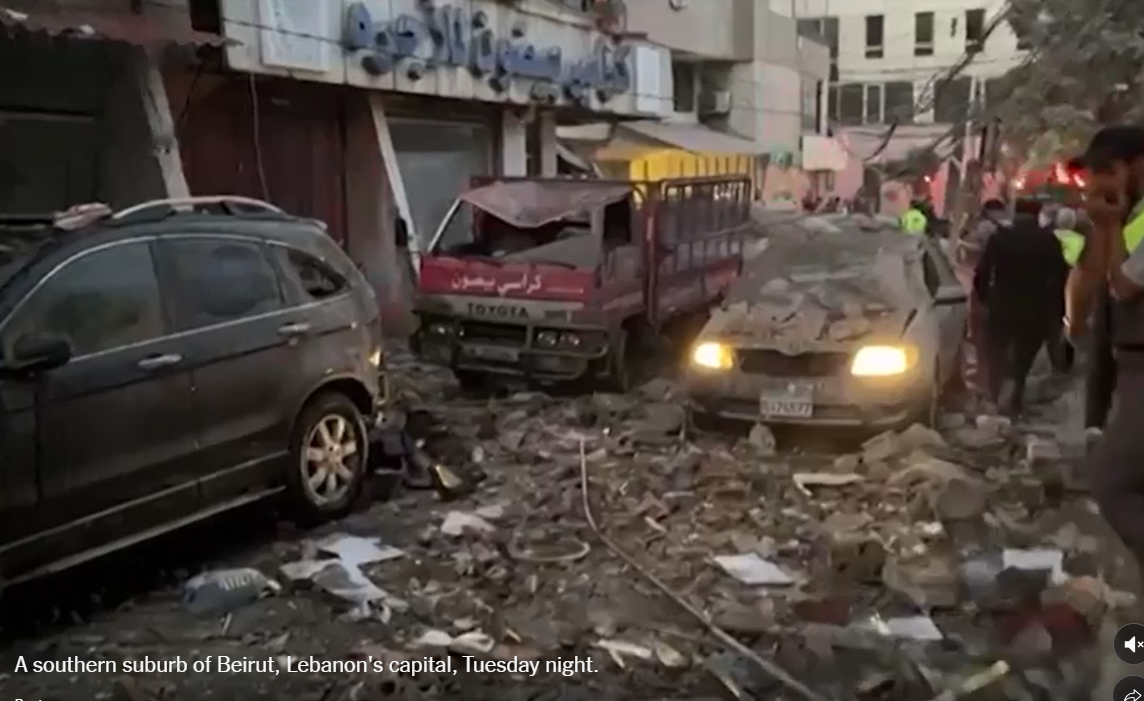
[537,222]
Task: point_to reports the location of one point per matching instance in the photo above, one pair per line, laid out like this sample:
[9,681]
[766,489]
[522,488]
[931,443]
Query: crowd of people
[1071,280]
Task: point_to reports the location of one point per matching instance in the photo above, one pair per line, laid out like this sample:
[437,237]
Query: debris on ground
[598,527]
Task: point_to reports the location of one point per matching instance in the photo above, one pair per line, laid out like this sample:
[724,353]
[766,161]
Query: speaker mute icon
[1132,646]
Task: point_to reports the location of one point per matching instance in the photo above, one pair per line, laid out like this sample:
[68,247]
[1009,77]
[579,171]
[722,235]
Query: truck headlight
[547,339]
[710,355]
[883,361]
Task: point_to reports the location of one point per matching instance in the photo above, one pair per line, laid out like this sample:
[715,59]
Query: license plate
[497,353]
[790,402]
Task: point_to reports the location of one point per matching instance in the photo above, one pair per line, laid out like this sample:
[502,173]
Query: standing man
[1019,281]
[1113,263]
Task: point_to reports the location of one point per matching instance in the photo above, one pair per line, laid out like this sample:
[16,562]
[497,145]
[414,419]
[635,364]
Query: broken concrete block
[1041,453]
[927,584]
[762,439]
[847,463]
[959,499]
[856,557]
[997,425]
[1085,595]
[881,447]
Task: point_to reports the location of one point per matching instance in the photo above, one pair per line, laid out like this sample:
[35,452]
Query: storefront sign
[439,36]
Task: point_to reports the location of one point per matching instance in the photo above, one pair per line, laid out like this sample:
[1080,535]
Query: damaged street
[597,546]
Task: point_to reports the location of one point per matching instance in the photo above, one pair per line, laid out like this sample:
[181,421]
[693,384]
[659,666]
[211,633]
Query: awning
[148,30]
[695,138]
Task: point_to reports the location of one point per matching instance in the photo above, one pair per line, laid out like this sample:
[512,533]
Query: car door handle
[299,329]
[160,361]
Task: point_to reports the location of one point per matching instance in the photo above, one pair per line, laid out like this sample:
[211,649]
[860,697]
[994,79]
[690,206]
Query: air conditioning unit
[714,102]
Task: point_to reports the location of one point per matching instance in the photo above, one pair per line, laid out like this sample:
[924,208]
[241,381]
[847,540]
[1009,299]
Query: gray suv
[172,361]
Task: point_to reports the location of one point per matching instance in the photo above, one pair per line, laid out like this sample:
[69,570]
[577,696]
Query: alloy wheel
[329,459]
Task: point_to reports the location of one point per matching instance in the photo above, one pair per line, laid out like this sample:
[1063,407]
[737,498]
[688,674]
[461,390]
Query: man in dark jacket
[1019,281]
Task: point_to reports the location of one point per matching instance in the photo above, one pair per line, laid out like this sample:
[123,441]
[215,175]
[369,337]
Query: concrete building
[888,58]
[86,117]
[373,115]
[746,89]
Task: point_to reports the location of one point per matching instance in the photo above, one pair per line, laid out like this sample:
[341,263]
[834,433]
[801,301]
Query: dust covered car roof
[823,278]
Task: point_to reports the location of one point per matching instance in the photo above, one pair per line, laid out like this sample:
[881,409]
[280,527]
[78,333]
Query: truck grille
[485,332]
[775,364]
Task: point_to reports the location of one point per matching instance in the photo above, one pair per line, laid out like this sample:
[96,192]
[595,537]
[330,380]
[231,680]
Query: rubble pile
[923,564]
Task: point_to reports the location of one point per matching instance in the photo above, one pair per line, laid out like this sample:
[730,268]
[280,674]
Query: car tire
[469,380]
[620,373]
[329,452]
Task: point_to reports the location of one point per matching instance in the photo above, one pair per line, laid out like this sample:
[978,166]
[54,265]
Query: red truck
[556,280]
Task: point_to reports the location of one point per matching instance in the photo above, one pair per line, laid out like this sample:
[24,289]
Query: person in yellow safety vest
[1072,241]
[1112,263]
[914,220]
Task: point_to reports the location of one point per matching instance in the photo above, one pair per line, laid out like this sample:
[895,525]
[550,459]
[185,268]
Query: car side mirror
[40,352]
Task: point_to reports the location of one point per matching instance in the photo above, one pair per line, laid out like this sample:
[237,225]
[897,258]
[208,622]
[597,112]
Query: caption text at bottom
[222,664]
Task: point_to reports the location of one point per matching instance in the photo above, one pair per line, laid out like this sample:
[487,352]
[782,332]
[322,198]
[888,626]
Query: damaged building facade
[85,117]
[372,116]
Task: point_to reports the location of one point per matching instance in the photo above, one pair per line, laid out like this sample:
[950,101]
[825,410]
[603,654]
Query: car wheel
[329,452]
[469,380]
[619,364]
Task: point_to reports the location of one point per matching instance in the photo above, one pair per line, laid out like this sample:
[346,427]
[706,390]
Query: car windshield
[831,265]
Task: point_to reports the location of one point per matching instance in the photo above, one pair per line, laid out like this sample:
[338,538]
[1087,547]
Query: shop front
[84,118]
[431,94]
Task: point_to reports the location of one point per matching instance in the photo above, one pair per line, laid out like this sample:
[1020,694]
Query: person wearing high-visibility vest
[1071,240]
[1112,263]
[914,220]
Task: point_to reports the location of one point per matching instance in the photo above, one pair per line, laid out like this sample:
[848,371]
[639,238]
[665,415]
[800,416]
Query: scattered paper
[1040,560]
[457,522]
[354,550]
[753,570]
[915,628]
[805,480]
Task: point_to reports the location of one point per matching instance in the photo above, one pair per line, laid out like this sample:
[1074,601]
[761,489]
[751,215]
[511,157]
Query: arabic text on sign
[445,35]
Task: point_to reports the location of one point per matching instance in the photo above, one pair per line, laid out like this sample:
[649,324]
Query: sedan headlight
[883,361]
[712,356]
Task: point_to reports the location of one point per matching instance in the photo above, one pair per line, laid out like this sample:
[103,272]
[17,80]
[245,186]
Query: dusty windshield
[868,268]
[537,221]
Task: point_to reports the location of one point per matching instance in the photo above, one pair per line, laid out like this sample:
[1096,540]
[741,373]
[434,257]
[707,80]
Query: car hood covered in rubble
[822,284]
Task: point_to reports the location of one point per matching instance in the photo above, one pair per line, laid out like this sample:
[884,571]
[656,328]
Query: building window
[974,31]
[821,29]
[923,34]
[830,33]
[819,97]
[899,95]
[832,105]
[873,104]
[683,85]
[810,28]
[809,95]
[1022,33]
[851,104]
[875,35]
[951,100]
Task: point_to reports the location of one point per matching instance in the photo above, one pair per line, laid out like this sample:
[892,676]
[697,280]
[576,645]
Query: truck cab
[558,280]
